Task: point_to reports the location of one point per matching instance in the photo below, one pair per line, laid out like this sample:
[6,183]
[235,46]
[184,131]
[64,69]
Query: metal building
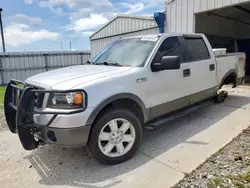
[225,22]
[123,25]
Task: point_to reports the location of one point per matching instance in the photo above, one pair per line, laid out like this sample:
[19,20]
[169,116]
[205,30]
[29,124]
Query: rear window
[196,50]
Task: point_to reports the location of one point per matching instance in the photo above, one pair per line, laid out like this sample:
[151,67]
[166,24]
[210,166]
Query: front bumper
[20,106]
[71,137]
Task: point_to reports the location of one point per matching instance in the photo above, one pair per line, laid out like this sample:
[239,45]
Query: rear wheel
[115,136]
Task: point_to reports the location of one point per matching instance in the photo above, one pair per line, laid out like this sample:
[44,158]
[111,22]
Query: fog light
[51,135]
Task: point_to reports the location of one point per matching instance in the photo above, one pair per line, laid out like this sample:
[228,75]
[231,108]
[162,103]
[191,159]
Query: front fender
[109,100]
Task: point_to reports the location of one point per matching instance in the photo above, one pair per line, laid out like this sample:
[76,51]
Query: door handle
[212,67]
[186,72]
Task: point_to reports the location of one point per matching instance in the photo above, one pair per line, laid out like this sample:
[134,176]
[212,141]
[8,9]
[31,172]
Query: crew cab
[106,103]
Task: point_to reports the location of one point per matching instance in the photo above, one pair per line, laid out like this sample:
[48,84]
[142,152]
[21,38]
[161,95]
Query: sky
[55,25]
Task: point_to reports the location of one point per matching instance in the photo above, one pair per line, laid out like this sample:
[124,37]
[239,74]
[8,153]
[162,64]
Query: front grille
[39,100]
[39,97]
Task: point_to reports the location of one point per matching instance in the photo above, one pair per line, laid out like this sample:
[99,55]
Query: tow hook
[37,135]
[40,143]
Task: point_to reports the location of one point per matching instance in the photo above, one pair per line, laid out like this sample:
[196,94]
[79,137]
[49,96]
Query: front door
[168,87]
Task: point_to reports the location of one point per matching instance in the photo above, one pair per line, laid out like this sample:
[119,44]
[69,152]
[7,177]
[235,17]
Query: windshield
[127,52]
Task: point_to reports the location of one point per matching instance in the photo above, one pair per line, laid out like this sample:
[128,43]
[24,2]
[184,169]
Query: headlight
[74,100]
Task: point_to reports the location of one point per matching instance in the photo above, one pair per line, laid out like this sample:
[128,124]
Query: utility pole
[70,43]
[1,25]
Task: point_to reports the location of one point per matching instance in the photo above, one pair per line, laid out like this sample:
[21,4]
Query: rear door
[202,67]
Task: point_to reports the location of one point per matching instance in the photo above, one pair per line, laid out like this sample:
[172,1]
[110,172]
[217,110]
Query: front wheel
[115,137]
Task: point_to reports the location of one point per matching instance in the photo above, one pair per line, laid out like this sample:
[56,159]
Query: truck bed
[230,61]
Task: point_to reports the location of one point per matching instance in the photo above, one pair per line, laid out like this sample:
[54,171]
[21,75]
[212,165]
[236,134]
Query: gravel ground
[229,167]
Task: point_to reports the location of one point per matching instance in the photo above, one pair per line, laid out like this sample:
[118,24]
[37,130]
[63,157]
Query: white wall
[180,13]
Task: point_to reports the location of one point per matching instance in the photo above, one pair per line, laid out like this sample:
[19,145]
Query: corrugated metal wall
[99,44]
[181,18]
[119,27]
[122,25]
[214,25]
[25,64]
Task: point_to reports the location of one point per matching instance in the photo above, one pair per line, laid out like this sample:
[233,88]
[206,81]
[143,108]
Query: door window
[169,47]
[196,50]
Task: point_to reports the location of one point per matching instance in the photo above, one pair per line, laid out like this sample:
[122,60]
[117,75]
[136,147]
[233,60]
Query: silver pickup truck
[106,103]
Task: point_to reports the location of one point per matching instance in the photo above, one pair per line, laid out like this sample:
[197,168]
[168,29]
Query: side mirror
[166,63]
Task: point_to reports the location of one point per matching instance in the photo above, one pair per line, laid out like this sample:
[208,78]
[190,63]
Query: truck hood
[74,75]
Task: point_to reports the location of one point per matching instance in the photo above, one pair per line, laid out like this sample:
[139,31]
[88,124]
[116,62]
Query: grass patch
[4,124]
[2,93]
[217,182]
[239,181]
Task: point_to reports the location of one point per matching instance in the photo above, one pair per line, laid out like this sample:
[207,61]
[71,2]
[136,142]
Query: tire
[220,98]
[103,123]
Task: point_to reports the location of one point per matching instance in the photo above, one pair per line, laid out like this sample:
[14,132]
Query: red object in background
[245,62]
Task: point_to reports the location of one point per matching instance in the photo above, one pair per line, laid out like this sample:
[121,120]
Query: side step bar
[152,126]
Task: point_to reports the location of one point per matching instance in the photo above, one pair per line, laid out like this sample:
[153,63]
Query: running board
[152,126]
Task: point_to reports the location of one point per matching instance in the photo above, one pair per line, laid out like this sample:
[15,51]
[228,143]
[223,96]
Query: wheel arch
[230,77]
[119,97]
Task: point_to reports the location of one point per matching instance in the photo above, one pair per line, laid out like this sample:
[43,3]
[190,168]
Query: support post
[1,27]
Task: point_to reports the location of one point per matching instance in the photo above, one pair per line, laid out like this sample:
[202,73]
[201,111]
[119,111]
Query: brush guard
[19,108]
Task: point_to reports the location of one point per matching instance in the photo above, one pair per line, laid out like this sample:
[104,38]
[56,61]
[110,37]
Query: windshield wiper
[111,63]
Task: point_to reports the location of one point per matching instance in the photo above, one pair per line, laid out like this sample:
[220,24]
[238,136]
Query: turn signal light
[78,99]
[245,62]
[245,66]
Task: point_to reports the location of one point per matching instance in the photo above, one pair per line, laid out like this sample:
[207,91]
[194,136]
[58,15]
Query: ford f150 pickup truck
[105,103]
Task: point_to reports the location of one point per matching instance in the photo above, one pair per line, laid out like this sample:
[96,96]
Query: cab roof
[167,34]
